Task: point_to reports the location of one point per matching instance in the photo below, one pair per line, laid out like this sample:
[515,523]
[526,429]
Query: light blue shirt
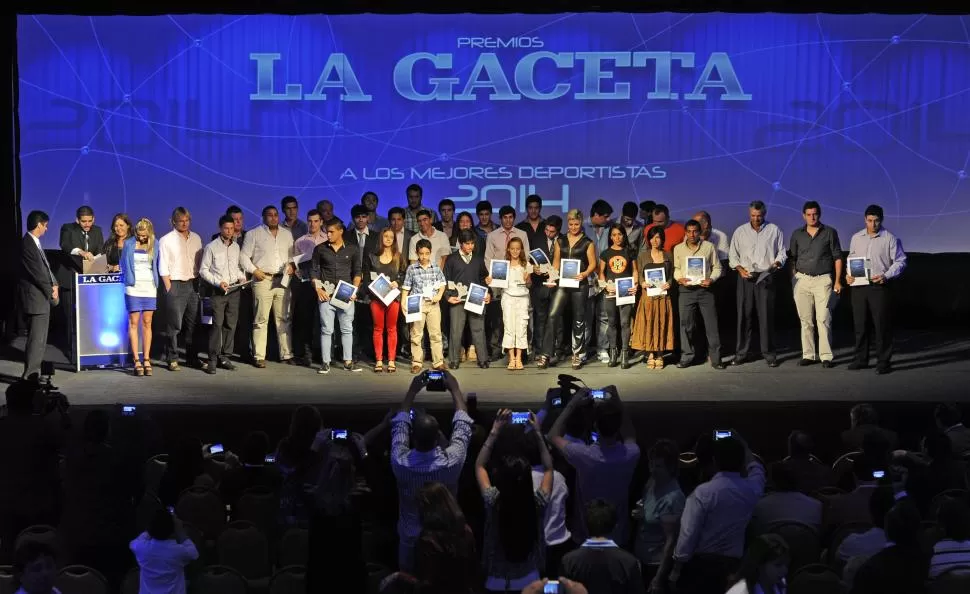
[883,250]
[757,250]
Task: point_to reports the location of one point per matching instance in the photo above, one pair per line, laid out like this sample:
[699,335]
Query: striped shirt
[948,554]
[418,278]
[413,469]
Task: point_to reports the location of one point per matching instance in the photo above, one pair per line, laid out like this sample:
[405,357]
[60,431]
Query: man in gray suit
[36,290]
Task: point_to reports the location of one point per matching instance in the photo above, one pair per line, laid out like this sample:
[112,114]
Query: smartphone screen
[338,434]
[127,410]
[878,474]
[597,394]
[269,459]
[171,510]
[520,418]
[722,433]
[216,448]
[551,587]
[557,402]
[594,437]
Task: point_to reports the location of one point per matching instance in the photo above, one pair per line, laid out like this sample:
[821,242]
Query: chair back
[938,500]
[841,532]
[243,547]
[41,533]
[803,543]
[294,547]
[80,579]
[132,582]
[289,580]
[815,578]
[203,508]
[218,579]
[955,580]
[826,492]
[6,580]
[261,506]
[153,471]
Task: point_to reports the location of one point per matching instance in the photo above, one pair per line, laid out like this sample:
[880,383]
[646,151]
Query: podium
[100,322]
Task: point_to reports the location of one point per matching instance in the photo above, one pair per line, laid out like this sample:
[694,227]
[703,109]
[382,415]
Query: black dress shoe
[806,362]
[683,364]
[210,369]
[827,365]
[226,364]
[773,363]
[738,361]
[453,364]
[856,365]
[719,365]
[481,365]
[883,370]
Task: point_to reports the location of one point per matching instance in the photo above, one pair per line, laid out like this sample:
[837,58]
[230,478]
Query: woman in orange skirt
[653,326]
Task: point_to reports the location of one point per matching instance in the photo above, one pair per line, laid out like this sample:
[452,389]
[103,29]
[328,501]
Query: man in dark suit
[36,290]
[82,238]
[600,564]
[367,242]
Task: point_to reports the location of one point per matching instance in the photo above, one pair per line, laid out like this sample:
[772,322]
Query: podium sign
[101,320]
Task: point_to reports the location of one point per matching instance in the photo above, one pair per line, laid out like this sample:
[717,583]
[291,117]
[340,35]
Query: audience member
[254,470]
[659,514]
[712,529]
[949,420]
[189,465]
[162,553]
[34,569]
[862,545]
[604,468]
[863,420]
[954,549]
[763,568]
[419,454]
[514,548]
[853,506]
[565,586]
[808,474]
[901,567]
[600,564]
[785,504]
[445,556]
[557,536]
[931,471]
[299,465]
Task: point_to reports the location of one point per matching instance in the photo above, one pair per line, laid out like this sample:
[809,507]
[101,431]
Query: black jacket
[72,236]
[34,284]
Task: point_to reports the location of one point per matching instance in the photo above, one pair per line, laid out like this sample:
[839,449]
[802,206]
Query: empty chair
[153,472]
[204,509]
[261,506]
[288,580]
[941,497]
[803,543]
[80,579]
[243,547]
[815,578]
[6,580]
[41,533]
[293,547]
[218,579]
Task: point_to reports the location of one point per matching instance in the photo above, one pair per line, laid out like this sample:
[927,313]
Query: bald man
[716,236]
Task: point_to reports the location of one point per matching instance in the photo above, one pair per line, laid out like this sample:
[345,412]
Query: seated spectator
[335,554]
[954,549]
[868,543]
[763,568]
[605,468]
[949,420]
[852,506]
[445,555]
[299,464]
[599,564]
[901,567]
[514,548]
[931,471]
[809,476]
[712,528]
[34,569]
[785,504]
[659,514]
[427,458]
[162,553]
[253,471]
[864,420]
[189,465]
[97,520]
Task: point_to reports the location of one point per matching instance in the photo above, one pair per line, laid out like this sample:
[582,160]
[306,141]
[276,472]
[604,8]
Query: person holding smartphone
[162,552]
[425,277]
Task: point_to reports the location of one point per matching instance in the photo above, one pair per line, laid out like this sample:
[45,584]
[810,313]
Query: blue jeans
[345,317]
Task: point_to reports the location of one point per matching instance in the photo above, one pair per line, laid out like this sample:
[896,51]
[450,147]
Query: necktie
[361,242]
[85,241]
[47,264]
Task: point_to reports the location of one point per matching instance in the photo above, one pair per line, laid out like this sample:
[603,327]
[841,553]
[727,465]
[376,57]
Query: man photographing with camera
[420,455]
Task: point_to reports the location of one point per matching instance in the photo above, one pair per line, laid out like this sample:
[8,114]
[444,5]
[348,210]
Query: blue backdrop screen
[140,114]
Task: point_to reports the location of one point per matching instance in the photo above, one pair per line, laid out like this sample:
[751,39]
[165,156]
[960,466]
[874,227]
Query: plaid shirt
[413,469]
[411,219]
[418,277]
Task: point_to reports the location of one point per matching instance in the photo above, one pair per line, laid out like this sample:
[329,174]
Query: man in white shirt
[267,254]
[757,252]
[162,552]
[179,255]
[440,247]
[716,515]
[221,269]
[716,236]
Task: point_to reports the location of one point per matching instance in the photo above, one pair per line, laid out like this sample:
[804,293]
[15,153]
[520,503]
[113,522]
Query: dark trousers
[243,344]
[222,334]
[575,300]
[707,574]
[305,314]
[540,296]
[36,347]
[756,297]
[874,301]
[694,301]
[181,313]
[363,330]
[457,316]
[554,555]
[617,315]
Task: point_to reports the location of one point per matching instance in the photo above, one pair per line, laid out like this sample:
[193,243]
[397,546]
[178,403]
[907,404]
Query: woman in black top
[465,221]
[573,245]
[389,262]
[616,262]
[121,230]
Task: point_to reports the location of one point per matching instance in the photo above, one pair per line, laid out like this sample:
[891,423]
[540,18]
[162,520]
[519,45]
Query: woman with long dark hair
[514,547]
[763,568]
[616,262]
[121,230]
[389,262]
[445,552]
[653,325]
[466,221]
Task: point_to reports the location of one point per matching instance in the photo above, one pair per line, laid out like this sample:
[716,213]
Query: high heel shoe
[139,370]
[518,361]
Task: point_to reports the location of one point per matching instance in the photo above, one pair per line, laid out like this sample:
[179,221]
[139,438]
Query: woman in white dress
[515,304]
[139,274]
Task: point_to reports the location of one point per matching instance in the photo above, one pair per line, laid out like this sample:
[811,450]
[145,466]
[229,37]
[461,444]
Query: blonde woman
[139,273]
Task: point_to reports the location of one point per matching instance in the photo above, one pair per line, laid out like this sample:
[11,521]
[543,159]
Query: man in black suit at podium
[82,238]
[36,290]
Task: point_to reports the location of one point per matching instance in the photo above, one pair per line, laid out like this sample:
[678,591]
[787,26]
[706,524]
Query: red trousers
[385,317]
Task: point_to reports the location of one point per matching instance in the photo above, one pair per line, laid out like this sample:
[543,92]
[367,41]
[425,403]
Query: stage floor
[928,366]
